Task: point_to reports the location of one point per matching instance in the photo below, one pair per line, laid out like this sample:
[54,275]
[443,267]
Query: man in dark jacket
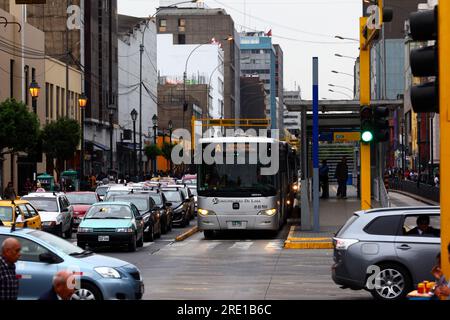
[323,177]
[341,175]
[424,229]
[63,287]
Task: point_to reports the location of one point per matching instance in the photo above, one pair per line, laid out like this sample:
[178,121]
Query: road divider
[306,240]
[187,234]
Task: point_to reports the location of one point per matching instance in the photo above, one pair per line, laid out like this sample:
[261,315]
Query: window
[182,25]
[30,250]
[181,39]
[162,25]
[51,102]
[58,99]
[422,225]
[47,100]
[384,226]
[26,214]
[63,102]
[32,210]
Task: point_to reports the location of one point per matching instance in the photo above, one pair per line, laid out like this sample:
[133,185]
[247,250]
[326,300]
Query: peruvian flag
[269,33]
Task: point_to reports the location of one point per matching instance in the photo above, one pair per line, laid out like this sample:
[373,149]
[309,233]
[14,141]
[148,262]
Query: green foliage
[166,150]
[152,151]
[19,128]
[61,138]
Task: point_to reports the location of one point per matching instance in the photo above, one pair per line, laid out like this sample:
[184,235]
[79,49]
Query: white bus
[237,196]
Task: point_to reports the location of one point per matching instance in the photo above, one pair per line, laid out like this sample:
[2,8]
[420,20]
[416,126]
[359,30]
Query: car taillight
[343,244]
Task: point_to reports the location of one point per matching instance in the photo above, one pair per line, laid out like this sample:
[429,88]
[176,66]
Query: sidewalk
[334,213]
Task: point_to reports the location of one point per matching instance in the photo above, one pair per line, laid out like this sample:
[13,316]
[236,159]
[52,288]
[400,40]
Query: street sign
[346,136]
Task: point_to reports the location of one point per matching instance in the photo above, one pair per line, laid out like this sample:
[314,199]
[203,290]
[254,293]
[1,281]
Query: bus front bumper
[238,222]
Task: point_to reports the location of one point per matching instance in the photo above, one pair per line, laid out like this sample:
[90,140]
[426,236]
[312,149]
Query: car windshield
[56,242]
[140,202]
[173,196]
[82,198]
[157,199]
[6,214]
[44,204]
[109,212]
[101,191]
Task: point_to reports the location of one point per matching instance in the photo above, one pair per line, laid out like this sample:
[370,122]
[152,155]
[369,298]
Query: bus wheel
[209,234]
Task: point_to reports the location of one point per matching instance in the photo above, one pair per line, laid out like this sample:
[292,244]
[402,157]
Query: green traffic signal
[367,136]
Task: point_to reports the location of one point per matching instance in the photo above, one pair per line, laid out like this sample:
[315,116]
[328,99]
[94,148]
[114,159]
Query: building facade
[253,98]
[291,120]
[279,85]
[258,57]
[199,25]
[131,32]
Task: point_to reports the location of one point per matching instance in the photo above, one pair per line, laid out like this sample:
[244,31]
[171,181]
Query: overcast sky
[303,28]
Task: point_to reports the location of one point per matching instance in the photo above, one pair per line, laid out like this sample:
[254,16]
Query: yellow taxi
[21,211]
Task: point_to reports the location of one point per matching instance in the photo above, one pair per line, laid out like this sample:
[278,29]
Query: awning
[98,146]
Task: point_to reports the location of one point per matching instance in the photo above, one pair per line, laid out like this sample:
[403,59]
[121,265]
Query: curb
[306,243]
[426,201]
[187,234]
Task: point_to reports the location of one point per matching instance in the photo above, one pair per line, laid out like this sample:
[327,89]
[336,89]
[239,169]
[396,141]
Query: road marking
[242,245]
[211,246]
[148,244]
[275,245]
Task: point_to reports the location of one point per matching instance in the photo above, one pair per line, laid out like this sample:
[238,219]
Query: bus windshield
[222,180]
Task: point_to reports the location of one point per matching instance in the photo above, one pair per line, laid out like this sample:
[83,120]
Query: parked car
[164,208]
[147,209]
[43,255]
[101,191]
[55,211]
[180,205]
[20,211]
[81,202]
[193,189]
[112,224]
[381,251]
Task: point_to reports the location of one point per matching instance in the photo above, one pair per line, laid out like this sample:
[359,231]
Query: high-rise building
[279,84]
[258,57]
[253,98]
[198,26]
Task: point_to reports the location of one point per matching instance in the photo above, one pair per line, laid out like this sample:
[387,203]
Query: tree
[60,140]
[19,128]
[152,151]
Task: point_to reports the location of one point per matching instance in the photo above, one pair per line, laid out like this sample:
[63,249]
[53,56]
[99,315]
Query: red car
[81,202]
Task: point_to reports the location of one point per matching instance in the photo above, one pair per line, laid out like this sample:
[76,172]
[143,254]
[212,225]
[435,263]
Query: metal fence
[422,190]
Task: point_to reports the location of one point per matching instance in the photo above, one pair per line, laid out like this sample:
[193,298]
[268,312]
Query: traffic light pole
[444,84]
[366,196]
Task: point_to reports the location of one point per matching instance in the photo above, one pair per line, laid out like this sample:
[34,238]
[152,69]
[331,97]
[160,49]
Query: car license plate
[236,224]
[103,238]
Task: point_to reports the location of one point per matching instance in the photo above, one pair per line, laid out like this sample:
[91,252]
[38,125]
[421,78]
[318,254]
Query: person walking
[63,287]
[9,193]
[341,175]
[324,179]
[9,283]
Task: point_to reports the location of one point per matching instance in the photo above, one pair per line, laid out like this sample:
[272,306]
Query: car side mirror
[168,204]
[47,258]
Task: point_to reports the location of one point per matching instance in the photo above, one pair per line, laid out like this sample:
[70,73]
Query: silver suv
[387,251]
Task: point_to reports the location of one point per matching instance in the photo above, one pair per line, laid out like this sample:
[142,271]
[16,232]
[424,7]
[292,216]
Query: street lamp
[347,74]
[141,50]
[34,91]
[170,141]
[155,127]
[82,102]
[343,93]
[345,38]
[336,86]
[342,56]
[134,115]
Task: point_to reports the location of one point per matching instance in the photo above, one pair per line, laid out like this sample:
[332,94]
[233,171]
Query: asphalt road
[236,266]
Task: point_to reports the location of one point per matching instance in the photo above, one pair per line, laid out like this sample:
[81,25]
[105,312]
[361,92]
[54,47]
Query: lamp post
[34,91]
[82,102]
[342,87]
[170,141]
[343,93]
[339,72]
[134,115]
[141,51]
[403,146]
[111,131]
[155,127]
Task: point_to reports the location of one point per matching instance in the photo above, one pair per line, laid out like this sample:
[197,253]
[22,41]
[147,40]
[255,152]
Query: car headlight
[295,187]
[204,212]
[83,230]
[48,223]
[107,272]
[125,230]
[270,212]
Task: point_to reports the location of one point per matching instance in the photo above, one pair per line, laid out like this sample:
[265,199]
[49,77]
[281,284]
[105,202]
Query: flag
[269,33]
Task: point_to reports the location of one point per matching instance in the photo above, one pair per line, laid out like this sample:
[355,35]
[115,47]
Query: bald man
[63,287]
[9,284]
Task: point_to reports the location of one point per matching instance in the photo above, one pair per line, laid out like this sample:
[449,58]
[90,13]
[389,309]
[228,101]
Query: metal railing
[422,190]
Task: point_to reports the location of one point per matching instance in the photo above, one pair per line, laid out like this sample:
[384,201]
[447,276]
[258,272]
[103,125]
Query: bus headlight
[205,213]
[270,212]
[295,187]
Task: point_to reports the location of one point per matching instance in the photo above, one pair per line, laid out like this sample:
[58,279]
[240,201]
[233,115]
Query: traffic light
[381,124]
[425,61]
[366,124]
